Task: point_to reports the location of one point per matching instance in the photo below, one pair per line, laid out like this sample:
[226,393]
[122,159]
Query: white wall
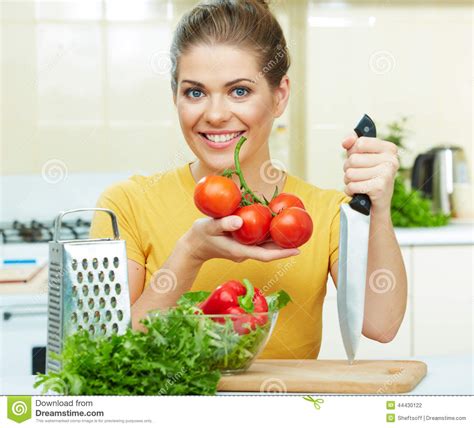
[388,61]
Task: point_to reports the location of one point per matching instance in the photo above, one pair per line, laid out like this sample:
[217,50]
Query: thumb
[230,223]
[349,141]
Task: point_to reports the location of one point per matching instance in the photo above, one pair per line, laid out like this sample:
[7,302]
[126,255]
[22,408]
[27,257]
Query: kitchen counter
[456,233]
[447,375]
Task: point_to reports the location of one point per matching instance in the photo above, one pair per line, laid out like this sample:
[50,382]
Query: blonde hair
[242,23]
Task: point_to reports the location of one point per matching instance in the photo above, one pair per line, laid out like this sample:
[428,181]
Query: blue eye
[241,91]
[193,93]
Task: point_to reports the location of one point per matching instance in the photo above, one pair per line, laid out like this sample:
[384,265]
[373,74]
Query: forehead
[217,64]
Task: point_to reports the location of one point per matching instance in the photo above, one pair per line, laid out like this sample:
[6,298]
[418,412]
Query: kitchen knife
[353,250]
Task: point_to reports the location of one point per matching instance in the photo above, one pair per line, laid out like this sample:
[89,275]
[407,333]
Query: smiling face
[221,95]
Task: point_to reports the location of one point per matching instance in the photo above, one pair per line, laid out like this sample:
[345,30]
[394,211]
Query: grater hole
[120,315]
[115,327]
[90,303]
[101,276]
[105,262]
[74,317]
[74,291]
[84,264]
[85,317]
[113,302]
[95,263]
[85,290]
[111,275]
[80,277]
[118,288]
[102,303]
[90,276]
[91,329]
[79,327]
[116,262]
[108,315]
[107,289]
[74,264]
[103,329]
[96,316]
[80,304]
[96,290]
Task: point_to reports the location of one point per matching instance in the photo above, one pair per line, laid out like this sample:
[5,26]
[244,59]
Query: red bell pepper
[235,298]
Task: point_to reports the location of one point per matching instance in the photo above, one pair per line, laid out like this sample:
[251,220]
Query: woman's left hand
[370,168]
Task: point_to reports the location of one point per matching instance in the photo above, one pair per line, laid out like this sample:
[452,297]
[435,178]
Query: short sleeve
[117,199]
[341,198]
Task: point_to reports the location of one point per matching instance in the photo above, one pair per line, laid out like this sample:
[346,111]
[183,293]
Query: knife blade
[353,252]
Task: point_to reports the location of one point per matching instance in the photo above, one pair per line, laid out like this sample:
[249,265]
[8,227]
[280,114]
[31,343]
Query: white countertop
[447,375]
[456,233]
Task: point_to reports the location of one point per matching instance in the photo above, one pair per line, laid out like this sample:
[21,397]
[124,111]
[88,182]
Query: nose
[217,111]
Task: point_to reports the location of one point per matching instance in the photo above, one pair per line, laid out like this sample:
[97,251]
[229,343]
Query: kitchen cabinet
[442,300]
[22,339]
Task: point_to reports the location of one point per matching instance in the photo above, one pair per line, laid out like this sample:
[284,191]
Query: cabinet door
[332,346]
[23,329]
[442,306]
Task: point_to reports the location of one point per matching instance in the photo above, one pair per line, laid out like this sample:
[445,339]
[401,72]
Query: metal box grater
[88,286]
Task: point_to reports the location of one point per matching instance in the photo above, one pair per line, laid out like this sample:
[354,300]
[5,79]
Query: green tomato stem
[238,171]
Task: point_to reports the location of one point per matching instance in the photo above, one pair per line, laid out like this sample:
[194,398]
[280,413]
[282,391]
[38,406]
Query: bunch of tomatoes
[283,219]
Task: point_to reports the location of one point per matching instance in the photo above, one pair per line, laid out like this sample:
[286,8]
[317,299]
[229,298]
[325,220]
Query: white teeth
[221,138]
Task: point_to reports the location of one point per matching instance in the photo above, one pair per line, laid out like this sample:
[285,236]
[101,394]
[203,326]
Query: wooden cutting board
[328,376]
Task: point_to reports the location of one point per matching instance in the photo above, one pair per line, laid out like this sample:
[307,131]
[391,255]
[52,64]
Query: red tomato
[256,223]
[217,196]
[291,228]
[285,200]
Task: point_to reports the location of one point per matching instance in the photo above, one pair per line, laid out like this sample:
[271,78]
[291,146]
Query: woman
[229,79]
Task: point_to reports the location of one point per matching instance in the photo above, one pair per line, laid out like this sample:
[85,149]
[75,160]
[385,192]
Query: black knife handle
[365,128]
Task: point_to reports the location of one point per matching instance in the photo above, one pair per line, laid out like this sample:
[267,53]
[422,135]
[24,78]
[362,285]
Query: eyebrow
[232,82]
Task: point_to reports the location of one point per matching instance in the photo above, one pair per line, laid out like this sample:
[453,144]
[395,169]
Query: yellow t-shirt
[154,212]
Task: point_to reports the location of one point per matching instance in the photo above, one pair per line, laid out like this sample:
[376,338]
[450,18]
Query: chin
[218,163]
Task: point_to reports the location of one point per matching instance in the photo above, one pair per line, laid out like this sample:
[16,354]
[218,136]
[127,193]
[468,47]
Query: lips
[221,144]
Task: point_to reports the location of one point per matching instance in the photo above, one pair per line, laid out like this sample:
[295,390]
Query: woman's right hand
[210,238]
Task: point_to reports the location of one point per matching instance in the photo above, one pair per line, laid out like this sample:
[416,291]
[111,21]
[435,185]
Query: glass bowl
[233,341]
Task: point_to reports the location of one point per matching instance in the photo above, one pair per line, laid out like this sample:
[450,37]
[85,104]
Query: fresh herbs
[409,208]
[183,352]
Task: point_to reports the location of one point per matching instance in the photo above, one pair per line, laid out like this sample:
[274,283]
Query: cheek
[255,114]
[188,114]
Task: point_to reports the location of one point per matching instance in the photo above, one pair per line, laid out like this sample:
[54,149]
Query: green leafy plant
[409,208]
[181,353]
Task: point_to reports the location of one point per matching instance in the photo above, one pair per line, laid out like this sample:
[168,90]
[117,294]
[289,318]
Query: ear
[281,96]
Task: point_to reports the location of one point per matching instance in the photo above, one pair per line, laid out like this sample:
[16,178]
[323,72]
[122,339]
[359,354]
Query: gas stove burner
[42,231]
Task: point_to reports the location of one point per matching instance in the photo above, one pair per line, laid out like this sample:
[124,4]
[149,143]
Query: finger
[365,187]
[268,253]
[373,145]
[349,140]
[362,174]
[364,160]
[224,224]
